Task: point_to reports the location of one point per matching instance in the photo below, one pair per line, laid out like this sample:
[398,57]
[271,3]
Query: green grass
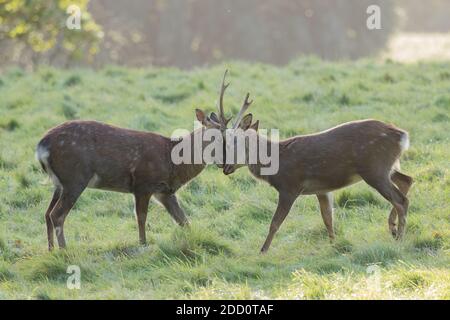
[219,256]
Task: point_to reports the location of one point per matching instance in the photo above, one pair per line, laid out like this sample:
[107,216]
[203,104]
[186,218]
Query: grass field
[230,215]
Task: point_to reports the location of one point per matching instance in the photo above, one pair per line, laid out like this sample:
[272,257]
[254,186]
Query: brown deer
[89,154]
[320,163]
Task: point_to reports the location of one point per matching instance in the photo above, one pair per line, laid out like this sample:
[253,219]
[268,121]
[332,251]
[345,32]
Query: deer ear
[255,125]
[246,122]
[200,116]
[214,117]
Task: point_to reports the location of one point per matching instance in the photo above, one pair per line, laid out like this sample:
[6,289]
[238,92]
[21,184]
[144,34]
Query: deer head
[242,132]
[220,122]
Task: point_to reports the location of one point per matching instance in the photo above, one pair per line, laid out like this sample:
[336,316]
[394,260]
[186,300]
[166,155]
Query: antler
[220,121]
[223,121]
[244,108]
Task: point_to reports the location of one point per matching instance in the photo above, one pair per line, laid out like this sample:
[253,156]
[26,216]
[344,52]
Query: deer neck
[256,168]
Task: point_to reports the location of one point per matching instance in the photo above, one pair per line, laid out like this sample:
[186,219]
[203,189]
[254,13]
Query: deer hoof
[394,233]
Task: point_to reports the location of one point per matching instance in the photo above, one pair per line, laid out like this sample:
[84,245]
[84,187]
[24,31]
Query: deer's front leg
[285,202]
[169,201]
[326,209]
[141,208]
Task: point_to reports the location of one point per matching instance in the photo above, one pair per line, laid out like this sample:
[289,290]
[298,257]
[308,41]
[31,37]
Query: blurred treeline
[197,32]
[34,32]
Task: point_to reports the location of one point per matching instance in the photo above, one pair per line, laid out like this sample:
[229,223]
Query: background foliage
[202,32]
[36,30]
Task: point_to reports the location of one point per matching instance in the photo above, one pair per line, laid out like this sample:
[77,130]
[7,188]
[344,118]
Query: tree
[34,31]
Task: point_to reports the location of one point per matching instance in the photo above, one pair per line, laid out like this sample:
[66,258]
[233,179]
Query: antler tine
[224,87]
[244,108]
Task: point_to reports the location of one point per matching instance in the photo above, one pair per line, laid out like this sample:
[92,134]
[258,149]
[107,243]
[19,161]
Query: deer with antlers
[317,164]
[89,154]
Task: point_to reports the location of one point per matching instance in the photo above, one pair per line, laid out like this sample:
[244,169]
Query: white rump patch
[42,154]
[404,142]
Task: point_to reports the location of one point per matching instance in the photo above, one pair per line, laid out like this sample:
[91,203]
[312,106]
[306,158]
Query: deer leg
[141,207]
[326,209]
[170,202]
[285,202]
[404,183]
[384,185]
[48,220]
[62,208]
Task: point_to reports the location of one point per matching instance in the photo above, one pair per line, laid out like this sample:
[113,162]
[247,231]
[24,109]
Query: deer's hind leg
[48,220]
[404,183]
[69,195]
[384,185]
